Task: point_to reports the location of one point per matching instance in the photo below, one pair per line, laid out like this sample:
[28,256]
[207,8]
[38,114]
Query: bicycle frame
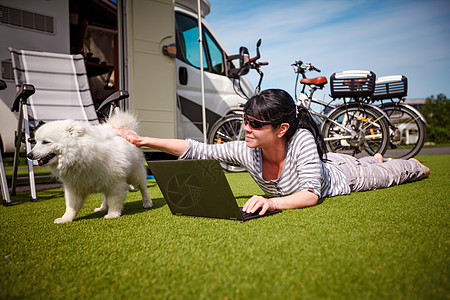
[369,122]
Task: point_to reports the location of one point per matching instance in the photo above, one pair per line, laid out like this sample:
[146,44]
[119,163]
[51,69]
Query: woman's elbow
[312,199]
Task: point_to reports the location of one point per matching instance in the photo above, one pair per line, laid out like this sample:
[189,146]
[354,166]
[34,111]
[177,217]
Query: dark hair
[277,106]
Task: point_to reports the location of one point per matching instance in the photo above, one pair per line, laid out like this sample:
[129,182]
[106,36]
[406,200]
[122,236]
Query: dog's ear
[76,130]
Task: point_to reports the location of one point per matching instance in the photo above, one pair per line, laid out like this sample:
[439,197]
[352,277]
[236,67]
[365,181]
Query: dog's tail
[123,120]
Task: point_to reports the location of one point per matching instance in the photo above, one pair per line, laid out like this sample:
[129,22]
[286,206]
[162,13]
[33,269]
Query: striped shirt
[302,168]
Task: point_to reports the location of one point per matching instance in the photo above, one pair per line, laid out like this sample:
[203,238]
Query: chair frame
[3,182]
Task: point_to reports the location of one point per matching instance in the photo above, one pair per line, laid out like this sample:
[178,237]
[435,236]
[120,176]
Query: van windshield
[188,34]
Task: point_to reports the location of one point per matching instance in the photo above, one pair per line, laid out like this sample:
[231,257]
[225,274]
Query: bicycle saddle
[318,81]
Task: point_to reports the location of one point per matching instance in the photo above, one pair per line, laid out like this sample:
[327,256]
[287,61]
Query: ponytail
[306,121]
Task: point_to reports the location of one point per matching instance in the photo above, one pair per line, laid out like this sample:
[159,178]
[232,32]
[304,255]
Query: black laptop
[198,188]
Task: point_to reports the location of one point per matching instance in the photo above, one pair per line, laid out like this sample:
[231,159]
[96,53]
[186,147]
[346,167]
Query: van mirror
[244,57]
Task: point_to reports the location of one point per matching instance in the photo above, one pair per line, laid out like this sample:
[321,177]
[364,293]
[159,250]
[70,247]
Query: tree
[437,113]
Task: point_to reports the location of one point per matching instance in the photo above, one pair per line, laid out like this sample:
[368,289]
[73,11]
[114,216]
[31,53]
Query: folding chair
[3,182]
[51,86]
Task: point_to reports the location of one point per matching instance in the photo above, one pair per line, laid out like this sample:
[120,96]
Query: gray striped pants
[367,173]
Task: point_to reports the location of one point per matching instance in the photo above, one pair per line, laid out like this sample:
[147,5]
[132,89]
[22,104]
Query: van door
[151,74]
[220,97]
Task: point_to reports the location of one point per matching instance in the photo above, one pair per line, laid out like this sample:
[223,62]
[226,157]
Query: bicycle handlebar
[249,64]
[300,67]
[252,62]
[258,54]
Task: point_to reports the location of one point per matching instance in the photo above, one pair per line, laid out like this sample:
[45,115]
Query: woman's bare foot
[426,170]
[379,157]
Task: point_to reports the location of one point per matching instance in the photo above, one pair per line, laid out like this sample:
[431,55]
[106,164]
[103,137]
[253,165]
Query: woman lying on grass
[285,154]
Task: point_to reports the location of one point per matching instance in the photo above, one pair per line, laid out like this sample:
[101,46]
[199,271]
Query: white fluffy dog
[90,159]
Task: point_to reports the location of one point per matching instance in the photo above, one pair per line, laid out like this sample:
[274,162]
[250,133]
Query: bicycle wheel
[408,136]
[227,129]
[356,129]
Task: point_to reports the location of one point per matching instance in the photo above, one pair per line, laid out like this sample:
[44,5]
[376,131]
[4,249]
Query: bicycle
[407,135]
[231,127]
[351,127]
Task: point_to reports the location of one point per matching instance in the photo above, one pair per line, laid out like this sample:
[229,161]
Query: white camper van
[148,47]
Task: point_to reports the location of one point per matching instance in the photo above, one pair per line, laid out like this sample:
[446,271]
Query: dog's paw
[147,204]
[112,215]
[62,221]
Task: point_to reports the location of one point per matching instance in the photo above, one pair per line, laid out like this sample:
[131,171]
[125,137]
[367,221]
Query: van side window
[215,54]
[187,43]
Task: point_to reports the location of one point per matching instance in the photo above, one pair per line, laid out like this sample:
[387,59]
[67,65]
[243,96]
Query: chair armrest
[2,85]
[22,95]
[116,97]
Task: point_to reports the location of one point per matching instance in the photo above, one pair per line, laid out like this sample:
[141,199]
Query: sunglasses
[255,123]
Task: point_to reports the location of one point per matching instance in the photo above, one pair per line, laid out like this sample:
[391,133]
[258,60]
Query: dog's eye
[45,142]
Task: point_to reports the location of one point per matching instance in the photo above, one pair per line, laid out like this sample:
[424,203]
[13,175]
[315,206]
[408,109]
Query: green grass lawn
[391,244]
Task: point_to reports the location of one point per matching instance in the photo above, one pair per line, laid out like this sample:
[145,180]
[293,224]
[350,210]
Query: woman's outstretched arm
[172,146]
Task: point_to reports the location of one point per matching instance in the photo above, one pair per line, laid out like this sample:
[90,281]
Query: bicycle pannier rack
[350,84]
[390,87]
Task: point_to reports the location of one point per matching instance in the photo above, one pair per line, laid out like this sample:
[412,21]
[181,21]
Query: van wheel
[227,129]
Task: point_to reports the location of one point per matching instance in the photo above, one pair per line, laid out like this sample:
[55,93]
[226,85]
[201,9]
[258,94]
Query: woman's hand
[131,137]
[256,202]
[172,146]
[300,199]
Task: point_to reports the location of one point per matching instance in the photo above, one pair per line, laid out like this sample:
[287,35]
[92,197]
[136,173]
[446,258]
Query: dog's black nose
[30,155]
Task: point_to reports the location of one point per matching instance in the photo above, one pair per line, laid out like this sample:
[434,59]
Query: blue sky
[408,37]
